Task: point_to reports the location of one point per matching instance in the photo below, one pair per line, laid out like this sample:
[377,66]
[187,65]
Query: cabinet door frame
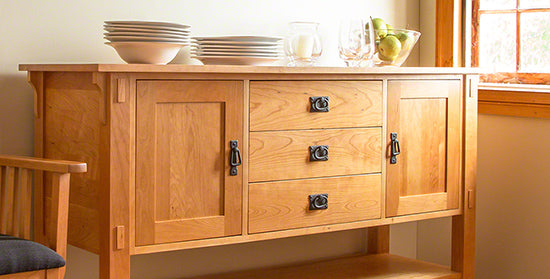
[450,90]
[230,95]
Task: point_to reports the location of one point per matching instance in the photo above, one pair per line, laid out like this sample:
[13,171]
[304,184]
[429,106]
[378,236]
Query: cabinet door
[183,187]
[425,115]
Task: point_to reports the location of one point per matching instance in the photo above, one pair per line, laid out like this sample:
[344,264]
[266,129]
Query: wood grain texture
[380,266]
[378,240]
[449,33]
[248,70]
[186,127]
[283,105]
[463,226]
[15,204]
[285,204]
[426,117]
[111,113]
[285,154]
[72,111]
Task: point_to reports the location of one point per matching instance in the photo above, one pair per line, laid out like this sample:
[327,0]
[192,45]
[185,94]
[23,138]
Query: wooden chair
[19,256]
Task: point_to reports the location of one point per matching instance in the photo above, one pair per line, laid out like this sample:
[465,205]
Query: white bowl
[146,52]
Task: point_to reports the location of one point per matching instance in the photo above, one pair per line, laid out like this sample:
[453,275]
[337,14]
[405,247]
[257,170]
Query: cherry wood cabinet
[184,190]
[183,157]
[424,120]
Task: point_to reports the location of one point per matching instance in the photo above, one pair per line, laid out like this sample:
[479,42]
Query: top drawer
[284,105]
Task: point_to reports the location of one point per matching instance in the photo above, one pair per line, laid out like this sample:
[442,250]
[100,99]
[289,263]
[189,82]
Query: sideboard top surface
[220,69]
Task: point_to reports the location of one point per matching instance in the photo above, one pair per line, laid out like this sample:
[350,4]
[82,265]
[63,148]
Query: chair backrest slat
[25,217]
[15,201]
[8,186]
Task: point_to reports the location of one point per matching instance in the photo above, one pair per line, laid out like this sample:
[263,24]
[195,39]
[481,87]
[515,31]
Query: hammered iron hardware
[395,149]
[234,158]
[318,153]
[318,201]
[318,104]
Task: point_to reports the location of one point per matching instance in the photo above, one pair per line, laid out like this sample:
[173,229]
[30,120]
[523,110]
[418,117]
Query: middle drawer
[287,154]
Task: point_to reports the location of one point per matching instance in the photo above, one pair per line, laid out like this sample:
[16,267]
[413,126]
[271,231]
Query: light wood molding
[449,33]
[514,103]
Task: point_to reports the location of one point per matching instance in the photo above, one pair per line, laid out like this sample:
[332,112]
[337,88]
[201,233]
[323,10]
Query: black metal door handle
[318,153]
[318,201]
[395,149]
[234,158]
[319,104]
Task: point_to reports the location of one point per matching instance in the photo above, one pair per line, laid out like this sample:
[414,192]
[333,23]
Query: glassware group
[356,42]
[303,44]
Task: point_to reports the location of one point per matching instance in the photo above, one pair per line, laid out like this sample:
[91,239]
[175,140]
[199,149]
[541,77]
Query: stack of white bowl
[146,42]
[237,50]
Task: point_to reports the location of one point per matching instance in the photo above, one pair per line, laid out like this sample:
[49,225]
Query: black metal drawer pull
[395,149]
[318,153]
[318,201]
[234,158]
[318,104]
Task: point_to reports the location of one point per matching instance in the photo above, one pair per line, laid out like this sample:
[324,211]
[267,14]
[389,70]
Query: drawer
[286,204]
[281,155]
[284,105]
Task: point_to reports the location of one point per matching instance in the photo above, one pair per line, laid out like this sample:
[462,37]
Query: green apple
[389,48]
[379,27]
[389,29]
[406,41]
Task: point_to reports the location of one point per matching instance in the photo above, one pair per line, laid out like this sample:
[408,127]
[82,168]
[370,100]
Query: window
[512,37]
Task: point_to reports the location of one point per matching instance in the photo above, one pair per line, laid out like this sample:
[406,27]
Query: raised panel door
[183,187]
[425,118]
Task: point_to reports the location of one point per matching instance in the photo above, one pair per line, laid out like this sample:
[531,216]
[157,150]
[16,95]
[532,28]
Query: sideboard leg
[463,235]
[378,240]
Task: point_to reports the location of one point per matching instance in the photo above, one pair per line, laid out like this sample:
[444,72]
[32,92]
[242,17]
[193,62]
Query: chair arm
[50,165]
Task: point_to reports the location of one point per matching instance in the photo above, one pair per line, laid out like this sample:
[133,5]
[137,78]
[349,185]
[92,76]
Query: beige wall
[513,198]
[64,31]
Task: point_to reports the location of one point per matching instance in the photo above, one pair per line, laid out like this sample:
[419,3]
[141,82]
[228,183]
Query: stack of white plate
[146,41]
[237,50]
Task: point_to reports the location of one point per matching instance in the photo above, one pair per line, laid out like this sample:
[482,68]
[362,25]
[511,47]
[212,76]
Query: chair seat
[20,255]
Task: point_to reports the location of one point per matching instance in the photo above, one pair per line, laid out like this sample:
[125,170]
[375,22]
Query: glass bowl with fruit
[393,46]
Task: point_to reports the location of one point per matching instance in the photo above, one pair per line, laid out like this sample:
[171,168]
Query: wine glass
[355,44]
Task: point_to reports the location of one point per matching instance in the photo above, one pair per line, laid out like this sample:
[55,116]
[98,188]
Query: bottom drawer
[286,204]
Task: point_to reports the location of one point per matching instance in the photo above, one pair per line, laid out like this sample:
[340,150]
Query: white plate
[142,39]
[147,30]
[268,52]
[227,54]
[147,23]
[224,60]
[145,35]
[218,43]
[161,28]
[230,47]
[240,39]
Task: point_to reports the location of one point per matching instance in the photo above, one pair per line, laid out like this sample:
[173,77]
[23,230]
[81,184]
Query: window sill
[514,100]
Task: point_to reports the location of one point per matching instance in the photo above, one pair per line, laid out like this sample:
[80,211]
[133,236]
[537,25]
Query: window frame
[505,77]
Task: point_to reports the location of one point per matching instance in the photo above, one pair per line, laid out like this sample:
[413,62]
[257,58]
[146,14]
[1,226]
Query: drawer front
[286,105]
[286,154]
[286,204]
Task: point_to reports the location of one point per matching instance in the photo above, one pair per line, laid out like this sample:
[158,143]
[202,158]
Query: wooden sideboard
[193,156]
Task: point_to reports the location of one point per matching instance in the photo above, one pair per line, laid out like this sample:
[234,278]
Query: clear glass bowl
[394,47]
